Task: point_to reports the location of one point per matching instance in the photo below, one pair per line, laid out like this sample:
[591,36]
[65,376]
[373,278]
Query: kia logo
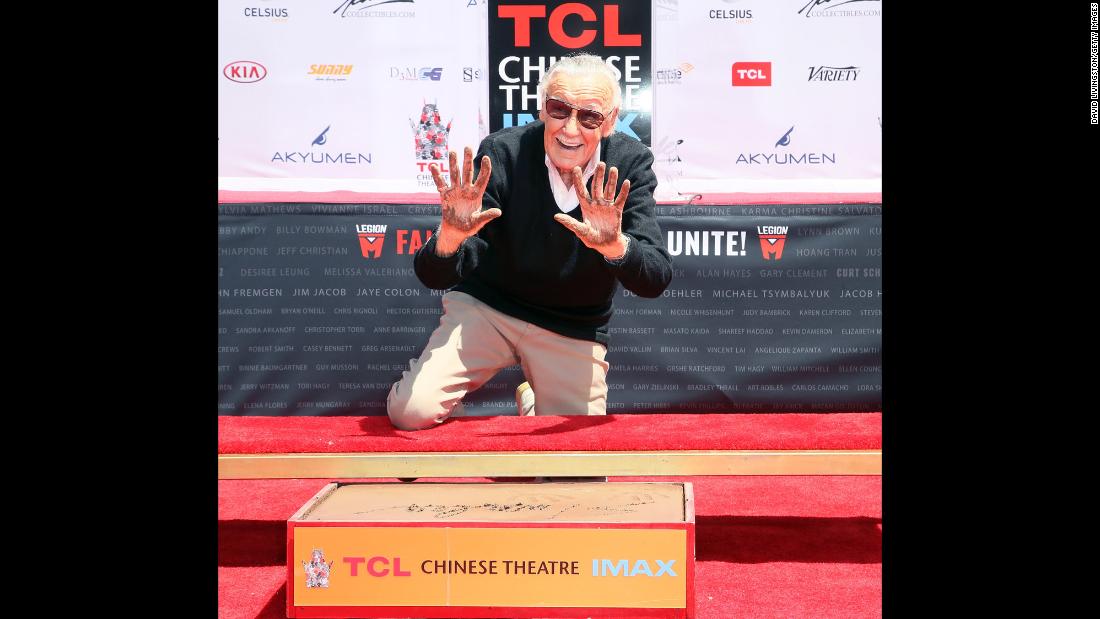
[244,71]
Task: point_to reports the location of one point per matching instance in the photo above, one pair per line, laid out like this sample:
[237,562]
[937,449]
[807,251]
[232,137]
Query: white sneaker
[525,400]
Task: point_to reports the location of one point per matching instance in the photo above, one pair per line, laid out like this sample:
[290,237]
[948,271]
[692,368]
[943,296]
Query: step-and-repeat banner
[731,95]
[771,308]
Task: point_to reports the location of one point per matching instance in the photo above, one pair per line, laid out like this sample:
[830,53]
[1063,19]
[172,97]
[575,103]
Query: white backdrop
[347,125]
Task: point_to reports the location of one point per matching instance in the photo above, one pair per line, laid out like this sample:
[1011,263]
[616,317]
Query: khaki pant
[473,342]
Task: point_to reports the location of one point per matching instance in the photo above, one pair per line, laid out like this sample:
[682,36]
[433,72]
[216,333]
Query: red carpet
[553,433]
[769,546]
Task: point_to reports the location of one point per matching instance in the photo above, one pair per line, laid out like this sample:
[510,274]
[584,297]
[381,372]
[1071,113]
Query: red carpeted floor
[775,546]
[553,433]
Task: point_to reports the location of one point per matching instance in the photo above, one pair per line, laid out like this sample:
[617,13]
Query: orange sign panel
[486,566]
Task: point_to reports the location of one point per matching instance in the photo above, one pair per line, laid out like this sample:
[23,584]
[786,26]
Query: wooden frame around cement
[549,463]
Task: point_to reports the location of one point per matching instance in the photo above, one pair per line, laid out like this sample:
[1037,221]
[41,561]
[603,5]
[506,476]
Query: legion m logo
[371,239]
[772,239]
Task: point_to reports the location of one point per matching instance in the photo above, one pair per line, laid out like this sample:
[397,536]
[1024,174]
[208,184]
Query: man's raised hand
[461,201]
[602,212]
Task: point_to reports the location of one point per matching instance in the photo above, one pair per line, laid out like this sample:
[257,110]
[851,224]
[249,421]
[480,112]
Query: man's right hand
[461,202]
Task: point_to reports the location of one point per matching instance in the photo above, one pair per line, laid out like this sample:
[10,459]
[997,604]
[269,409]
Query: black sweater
[529,266]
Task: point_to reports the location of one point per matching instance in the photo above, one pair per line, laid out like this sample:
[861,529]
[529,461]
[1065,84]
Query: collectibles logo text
[831,8]
[785,158]
[772,239]
[833,74]
[752,74]
[370,8]
[244,71]
[330,72]
[316,156]
[372,238]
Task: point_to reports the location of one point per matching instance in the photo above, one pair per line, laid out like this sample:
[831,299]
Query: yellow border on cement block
[548,463]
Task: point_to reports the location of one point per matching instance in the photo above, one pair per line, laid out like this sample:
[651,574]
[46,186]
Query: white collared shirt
[566,197]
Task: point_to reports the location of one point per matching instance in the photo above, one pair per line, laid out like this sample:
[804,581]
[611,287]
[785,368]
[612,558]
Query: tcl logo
[752,74]
[377,566]
[523,14]
[244,71]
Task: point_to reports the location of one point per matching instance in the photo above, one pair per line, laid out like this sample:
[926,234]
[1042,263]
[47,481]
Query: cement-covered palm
[601,211]
[461,201]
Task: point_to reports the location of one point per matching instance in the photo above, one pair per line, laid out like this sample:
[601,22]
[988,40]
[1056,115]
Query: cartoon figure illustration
[317,571]
[430,136]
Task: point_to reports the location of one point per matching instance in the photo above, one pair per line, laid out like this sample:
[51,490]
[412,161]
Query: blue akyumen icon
[786,139]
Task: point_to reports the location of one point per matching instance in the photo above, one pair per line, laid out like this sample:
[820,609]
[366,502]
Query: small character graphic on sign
[430,136]
[317,571]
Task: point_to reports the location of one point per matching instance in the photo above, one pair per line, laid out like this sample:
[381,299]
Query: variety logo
[369,8]
[330,72]
[833,74]
[371,239]
[410,73]
[244,71]
[470,74]
[674,74]
[274,14]
[752,74]
[316,156]
[785,158]
[772,239]
[317,571]
[829,8]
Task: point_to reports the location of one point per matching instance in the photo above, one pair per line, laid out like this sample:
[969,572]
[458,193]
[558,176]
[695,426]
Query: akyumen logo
[772,239]
[371,239]
[317,571]
[786,139]
[318,156]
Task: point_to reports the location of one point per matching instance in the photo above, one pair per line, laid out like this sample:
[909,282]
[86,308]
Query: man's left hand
[602,213]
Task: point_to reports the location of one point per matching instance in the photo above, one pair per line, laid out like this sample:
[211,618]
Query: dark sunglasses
[589,119]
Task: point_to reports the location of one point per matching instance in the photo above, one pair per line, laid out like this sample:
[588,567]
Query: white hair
[582,64]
